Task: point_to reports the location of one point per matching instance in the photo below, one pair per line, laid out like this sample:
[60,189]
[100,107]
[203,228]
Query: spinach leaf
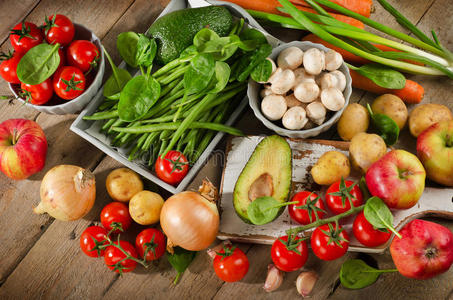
[180,260]
[116,82]
[356,274]
[263,210]
[199,74]
[189,51]
[251,34]
[203,36]
[38,64]
[137,97]
[146,51]
[383,76]
[379,215]
[258,56]
[221,48]
[126,43]
[388,129]
[262,72]
[220,80]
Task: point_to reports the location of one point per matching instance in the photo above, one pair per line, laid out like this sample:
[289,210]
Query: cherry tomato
[25,36]
[83,55]
[92,237]
[285,258]
[58,29]
[113,256]
[69,82]
[332,245]
[339,193]
[366,234]
[151,241]
[115,214]
[8,67]
[172,168]
[307,205]
[37,94]
[231,264]
[62,60]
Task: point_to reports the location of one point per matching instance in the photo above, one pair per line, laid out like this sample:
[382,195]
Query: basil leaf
[383,76]
[116,82]
[222,75]
[126,43]
[137,97]
[180,260]
[199,74]
[38,64]
[203,36]
[146,51]
[258,56]
[263,210]
[262,72]
[378,214]
[388,129]
[356,274]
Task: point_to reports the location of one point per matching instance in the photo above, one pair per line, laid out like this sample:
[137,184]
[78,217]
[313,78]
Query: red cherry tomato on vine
[332,245]
[366,234]
[308,205]
[59,29]
[69,82]
[62,60]
[83,55]
[151,241]
[231,264]
[8,67]
[113,256]
[339,193]
[115,214]
[90,238]
[37,94]
[25,36]
[289,254]
[172,168]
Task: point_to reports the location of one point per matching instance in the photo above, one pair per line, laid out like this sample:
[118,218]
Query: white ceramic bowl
[254,89]
[77,104]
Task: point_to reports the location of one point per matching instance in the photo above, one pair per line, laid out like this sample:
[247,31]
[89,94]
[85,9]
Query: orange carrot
[411,93]
[270,6]
[362,7]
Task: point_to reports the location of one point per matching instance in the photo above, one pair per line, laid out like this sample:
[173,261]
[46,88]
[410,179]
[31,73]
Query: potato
[365,149]
[355,119]
[391,106]
[145,207]
[425,115]
[330,167]
[122,184]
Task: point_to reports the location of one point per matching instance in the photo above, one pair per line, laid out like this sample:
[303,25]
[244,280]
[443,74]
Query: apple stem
[14,141]
[449,141]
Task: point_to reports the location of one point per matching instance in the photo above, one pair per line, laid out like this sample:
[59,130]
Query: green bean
[117,123]
[107,104]
[137,146]
[107,125]
[162,105]
[168,88]
[102,115]
[171,65]
[173,76]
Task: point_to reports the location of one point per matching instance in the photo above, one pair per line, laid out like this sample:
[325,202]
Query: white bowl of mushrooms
[307,92]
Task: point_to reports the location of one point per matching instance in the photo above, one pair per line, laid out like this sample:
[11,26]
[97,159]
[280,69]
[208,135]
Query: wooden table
[40,257]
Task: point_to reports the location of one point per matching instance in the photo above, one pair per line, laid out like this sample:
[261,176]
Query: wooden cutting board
[434,201]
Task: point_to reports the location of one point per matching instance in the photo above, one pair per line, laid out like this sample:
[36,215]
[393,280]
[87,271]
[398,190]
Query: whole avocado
[175,31]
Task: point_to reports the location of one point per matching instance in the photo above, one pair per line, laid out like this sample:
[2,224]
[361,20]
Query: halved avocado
[267,173]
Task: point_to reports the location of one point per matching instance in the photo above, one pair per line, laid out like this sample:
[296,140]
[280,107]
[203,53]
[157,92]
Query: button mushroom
[306,92]
[314,61]
[341,79]
[332,99]
[290,58]
[273,107]
[316,112]
[328,80]
[282,81]
[274,67]
[333,60]
[302,76]
[292,101]
[295,118]
[266,91]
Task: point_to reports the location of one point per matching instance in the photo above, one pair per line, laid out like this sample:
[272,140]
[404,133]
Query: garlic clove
[274,279]
[305,282]
[212,252]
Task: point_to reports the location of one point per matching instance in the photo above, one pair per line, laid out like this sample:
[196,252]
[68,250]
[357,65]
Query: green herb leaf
[263,210]
[222,75]
[146,51]
[383,76]
[137,97]
[262,72]
[379,215]
[203,36]
[388,129]
[252,37]
[189,51]
[356,274]
[221,48]
[126,43]
[116,82]
[180,260]
[258,56]
[38,64]
[199,74]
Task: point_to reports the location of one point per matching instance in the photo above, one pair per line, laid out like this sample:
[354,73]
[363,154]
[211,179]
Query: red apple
[435,150]
[424,250]
[398,178]
[23,148]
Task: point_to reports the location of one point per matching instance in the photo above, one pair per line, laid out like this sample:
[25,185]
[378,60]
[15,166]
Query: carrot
[411,93]
[270,6]
[362,7]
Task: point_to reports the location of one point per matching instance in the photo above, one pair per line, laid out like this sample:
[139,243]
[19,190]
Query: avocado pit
[262,186]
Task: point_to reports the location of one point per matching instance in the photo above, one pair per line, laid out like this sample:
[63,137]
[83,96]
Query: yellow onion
[67,193]
[191,220]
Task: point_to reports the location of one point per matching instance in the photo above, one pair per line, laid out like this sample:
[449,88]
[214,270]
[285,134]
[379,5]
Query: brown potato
[122,184]
[145,207]
[365,149]
[425,115]
[355,119]
[391,106]
[330,167]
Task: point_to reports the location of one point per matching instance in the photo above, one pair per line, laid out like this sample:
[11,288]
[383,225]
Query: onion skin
[67,193]
[190,221]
